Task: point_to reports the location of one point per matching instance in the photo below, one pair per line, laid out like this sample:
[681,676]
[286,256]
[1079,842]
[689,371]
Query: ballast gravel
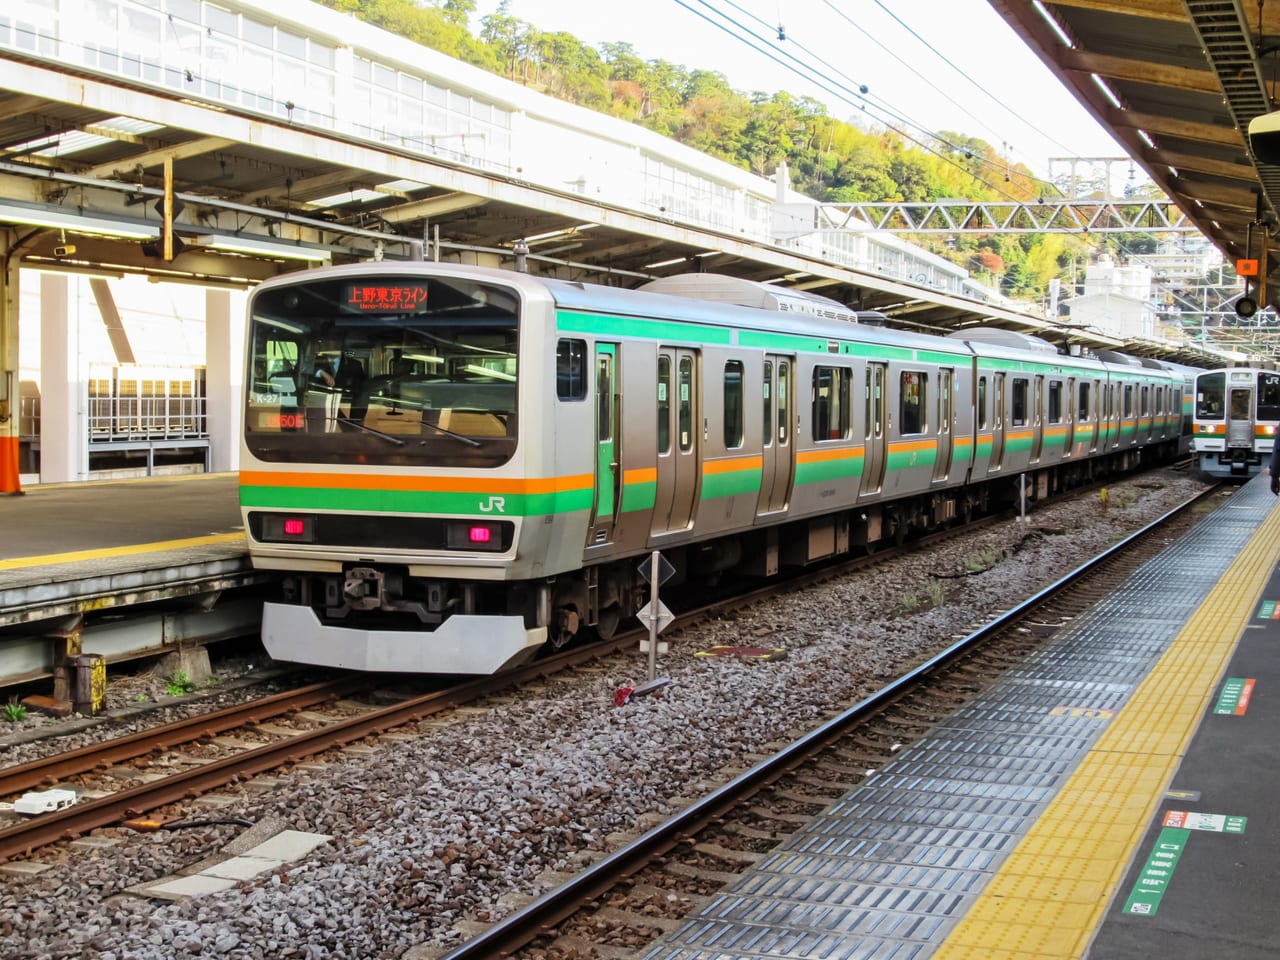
[435,829]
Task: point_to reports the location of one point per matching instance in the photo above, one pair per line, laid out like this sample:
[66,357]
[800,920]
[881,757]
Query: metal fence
[129,403]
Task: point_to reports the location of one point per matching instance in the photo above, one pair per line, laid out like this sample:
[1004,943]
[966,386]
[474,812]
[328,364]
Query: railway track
[627,899]
[201,775]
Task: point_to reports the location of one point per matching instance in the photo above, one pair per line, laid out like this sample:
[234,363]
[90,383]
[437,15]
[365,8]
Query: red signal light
[293,527]
[480,534]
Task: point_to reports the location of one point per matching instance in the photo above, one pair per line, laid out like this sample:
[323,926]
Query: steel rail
[49,770]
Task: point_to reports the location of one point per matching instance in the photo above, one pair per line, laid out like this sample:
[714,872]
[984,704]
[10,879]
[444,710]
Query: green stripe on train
[468,504]
[601,325]
[731,484]
[820,471]
[639,496]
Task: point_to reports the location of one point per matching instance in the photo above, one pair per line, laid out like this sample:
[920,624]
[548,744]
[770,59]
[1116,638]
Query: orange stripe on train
[363,481]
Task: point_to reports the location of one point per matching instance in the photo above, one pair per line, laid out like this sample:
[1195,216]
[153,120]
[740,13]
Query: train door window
[875,401]
[944,401]
[664,404]
[1239,404]
[1018,398]
[784,402]
[1269,396]
[767,385]
[734,413]
[604,396]
[832,402]
[571,369]
[1055,402]
[911,401]
[1144,401]
[1128,401]
[684,408]
[1082,403]
[982,403]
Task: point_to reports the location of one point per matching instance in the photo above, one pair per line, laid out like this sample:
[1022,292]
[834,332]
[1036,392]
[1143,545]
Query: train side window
[1055,401]
[664,404]
[734,413]
[1018,396]
[982,403]
[911,402]
[1269,396]
[1082,403]
[832,402]
[571,369]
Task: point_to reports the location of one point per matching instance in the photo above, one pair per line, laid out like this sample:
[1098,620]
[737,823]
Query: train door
[776,445]
[608,476]
[875,415]
[1240,417]
[1068,414]
[1037,419]
[946,415]
[997,422]
[678,412]
[1087,412]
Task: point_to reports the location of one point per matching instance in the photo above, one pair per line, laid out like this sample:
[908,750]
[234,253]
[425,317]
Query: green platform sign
[1144,899]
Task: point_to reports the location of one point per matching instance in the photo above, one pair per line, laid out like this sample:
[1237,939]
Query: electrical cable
[797,69]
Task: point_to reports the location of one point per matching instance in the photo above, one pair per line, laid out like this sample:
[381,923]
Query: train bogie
[520,445]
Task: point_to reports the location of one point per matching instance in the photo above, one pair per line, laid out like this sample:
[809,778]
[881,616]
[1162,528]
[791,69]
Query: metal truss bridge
[1047,216]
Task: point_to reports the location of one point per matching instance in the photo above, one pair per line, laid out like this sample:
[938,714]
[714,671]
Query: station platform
[70,548]
[1112,799]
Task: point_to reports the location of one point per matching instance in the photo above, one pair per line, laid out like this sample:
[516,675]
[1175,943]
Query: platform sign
[1234,699]
[1144,898]
[1270,610]
[1212,822]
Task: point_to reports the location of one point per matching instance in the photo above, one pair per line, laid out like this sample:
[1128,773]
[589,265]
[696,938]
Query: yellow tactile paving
[1047,899]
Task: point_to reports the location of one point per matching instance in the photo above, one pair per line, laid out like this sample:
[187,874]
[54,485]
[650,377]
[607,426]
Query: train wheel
[563,628]
[610,620]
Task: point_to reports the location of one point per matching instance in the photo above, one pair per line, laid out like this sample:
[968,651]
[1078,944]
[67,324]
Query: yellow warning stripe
[49,559]
[1052,893]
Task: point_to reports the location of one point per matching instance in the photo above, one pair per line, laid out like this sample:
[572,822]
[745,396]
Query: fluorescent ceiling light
[347,196]
[261,247]
[424,357]
[664,263]
[567,232]
[75,222]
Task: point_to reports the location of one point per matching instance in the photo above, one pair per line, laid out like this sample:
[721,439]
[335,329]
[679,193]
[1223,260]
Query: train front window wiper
[377,433]
[449,433]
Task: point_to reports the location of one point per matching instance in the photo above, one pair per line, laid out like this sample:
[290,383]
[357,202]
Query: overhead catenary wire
[744,34]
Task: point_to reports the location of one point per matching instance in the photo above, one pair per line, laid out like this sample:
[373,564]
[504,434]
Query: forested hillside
[829,158]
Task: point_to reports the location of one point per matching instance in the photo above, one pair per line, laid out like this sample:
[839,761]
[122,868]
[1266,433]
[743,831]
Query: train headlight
[478,535]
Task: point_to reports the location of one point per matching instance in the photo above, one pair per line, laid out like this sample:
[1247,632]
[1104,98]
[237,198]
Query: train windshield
[1211,393]
[396,370]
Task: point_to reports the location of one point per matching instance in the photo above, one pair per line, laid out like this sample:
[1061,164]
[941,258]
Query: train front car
[383,470]
[1237,411]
